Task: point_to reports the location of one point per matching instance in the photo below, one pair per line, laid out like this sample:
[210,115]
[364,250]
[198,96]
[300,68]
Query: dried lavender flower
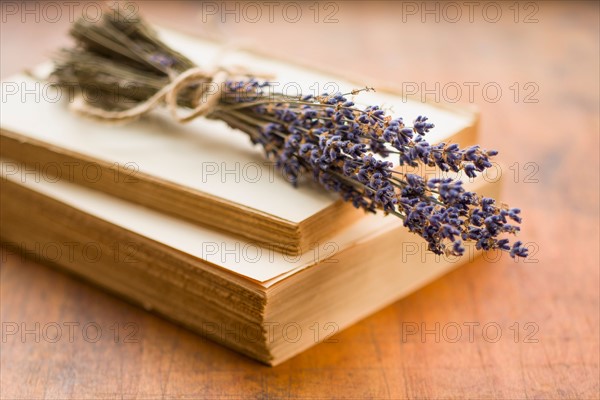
[345,148]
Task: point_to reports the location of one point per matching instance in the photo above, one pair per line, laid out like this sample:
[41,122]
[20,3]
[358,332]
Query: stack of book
[191,222]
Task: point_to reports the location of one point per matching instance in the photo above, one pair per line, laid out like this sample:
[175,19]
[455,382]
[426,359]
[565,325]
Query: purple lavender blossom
[343,146]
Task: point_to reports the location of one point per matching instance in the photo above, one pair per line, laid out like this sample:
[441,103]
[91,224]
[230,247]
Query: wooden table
[527,330]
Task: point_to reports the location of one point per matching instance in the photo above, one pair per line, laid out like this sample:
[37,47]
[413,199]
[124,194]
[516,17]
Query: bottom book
[267,304]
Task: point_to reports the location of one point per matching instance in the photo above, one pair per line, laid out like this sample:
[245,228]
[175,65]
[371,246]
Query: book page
[219,249]
[203,155]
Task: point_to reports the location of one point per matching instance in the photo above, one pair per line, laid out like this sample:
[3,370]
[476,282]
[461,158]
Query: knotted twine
[205,100]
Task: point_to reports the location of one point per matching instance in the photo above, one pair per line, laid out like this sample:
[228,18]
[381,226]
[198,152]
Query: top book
[202,171]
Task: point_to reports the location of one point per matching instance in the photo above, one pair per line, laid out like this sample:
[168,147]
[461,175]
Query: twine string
[210,83]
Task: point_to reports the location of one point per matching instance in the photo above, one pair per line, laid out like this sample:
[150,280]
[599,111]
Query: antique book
[266,304]
[203,171]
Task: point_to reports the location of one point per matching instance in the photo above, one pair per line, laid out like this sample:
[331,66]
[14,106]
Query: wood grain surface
[487,330]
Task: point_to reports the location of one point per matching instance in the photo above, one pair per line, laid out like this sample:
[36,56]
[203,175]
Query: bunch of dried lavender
[125,64]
